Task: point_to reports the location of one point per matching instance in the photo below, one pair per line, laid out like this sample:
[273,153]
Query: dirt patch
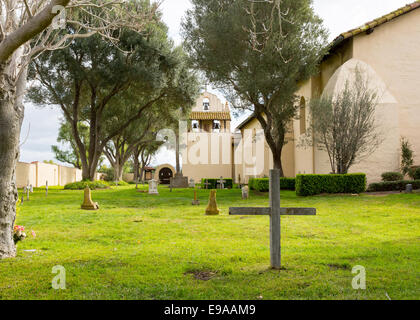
[203,275]
[383,193]
[341,266]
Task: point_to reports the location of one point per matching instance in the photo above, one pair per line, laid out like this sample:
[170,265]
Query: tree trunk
[136,167]
[278,163]
[142,177]
[178,164]
[11,116]
[118,172]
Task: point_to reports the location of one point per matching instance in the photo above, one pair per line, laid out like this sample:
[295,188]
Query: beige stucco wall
[38,173]
[25,174]
[304,152]
[391,56]
[215,104]
[393,51]
[263,170]
[201,161]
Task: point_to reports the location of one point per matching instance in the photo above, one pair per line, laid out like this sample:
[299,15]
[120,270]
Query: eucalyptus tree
[257,52]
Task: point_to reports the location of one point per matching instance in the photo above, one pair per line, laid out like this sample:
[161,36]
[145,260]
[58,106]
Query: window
[206,104]
[216,126]
[302,116]
[195,125]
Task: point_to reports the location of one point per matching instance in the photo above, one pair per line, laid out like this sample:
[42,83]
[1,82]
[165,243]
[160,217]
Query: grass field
[160,247]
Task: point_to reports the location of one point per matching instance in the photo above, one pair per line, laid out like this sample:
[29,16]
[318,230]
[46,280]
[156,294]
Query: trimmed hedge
[393,186]
[392,176]
[313,184]
[263,185]
[214,184]
[81,185]
[416,174]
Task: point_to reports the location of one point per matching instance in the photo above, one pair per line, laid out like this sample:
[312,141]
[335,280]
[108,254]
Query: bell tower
[210,115]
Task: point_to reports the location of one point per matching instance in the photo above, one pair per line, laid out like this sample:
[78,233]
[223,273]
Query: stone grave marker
[206,184]
[153,187]
[245,192]
[275,212]
[88,204]
[221,183]
[409,188]
[212,209]
[192,183]
[46,188]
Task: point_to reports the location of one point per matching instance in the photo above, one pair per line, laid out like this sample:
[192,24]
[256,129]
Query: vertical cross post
[275,212]
[206,184]
[275,221]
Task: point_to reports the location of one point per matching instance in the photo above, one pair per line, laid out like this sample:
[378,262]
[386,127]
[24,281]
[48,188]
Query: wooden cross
[206,184]
[221,182]
[275,212]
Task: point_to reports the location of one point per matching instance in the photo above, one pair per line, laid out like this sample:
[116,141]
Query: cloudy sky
[40,126]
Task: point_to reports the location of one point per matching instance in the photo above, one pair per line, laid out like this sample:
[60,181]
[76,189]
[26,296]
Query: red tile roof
[375,23]
[203,115]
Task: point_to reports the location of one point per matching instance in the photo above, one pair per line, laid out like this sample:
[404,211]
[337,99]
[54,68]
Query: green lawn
[155,247]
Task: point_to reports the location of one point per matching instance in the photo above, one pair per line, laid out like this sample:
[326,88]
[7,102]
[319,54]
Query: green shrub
[81,185]
[214,184]
[312,184]
[392,176]
[120,184]
[263,185]
[393,186]
[416,174]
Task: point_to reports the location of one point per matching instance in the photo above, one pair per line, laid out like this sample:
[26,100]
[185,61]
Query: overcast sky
[40,126]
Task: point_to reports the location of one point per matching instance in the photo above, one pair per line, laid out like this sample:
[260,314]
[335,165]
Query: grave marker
[409,188]
[212,209]
[275,212]
[221,183]
[206,184]
[245,193]
[192,183]
[46,188]
[88,204]
[195,202]
[153,189]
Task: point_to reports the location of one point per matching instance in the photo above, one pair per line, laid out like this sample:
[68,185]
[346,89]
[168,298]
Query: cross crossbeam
[274,212]
[267,211]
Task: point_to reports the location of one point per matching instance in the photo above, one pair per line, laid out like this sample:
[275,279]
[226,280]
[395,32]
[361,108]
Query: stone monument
[212,209]
[245,192]
[153,189]
[179,181]
[192,183]
[88,204]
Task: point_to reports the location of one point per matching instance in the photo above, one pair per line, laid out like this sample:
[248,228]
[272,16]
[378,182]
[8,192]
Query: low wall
[38,174]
